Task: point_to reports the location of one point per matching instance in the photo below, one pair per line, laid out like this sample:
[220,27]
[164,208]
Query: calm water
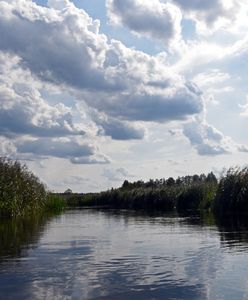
[92,254]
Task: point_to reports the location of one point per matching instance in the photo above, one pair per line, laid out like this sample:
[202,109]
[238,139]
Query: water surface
[96,254]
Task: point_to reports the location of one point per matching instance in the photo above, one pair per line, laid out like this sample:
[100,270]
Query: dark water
[92,254]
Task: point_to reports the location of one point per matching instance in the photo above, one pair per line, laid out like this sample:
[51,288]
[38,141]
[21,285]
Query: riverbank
[228,195]
[22,193]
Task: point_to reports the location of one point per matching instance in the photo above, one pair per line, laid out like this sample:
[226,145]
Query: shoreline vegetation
[22,193]
[227,195]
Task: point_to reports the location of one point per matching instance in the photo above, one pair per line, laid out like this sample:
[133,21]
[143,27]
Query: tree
[125,184]
[170,181]
[211,178]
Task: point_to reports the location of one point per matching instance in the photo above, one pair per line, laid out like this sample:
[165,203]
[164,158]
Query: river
[107,254]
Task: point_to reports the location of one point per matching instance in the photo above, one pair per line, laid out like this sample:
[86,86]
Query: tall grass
[197,196]
[55,203]
[20,190]
[232,193]
[22,193]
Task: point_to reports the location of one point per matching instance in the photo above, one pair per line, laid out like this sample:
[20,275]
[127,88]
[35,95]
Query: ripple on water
[107,255]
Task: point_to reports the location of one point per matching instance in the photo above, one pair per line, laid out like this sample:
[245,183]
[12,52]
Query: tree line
[226,195]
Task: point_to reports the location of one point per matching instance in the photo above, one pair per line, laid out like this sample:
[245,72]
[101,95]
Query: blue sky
[95,92]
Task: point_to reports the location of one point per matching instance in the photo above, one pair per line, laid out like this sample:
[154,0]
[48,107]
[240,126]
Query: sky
[93,92]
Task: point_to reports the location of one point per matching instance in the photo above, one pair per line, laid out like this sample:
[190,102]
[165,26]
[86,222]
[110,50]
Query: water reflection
[19,235]
[233,232]
[94,254]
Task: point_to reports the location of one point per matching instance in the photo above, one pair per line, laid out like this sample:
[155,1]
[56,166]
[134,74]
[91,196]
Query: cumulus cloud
[159,108]
[155,92]
[60,46]
[161,19]
[67,148]
[116,129]
[55,147]
[206,139]
[30,127]
[64,47]
[209,141]
[210,15]
[152,19]
[22,108]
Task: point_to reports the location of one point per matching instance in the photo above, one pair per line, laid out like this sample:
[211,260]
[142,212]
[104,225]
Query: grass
[55,203]
[22,193]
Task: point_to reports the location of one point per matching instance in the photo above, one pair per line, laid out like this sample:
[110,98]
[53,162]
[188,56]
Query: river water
[97,254]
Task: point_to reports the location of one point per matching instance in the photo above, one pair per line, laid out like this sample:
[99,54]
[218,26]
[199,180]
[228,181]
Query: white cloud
[116,129]
[210,15]
[30,127]
[153,19]
[64,47]
[211,78]
[66,148]
[206,139]
[22,108]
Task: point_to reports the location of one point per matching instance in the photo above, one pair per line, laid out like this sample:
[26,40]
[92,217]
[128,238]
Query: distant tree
[195,178]
[125,184]
[150,183]
[202,177]
[179,181]
[68,191]
[170,181]
[211,177]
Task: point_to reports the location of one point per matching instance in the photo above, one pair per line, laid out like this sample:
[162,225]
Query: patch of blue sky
[41,2]
[56,98]
[188,29]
